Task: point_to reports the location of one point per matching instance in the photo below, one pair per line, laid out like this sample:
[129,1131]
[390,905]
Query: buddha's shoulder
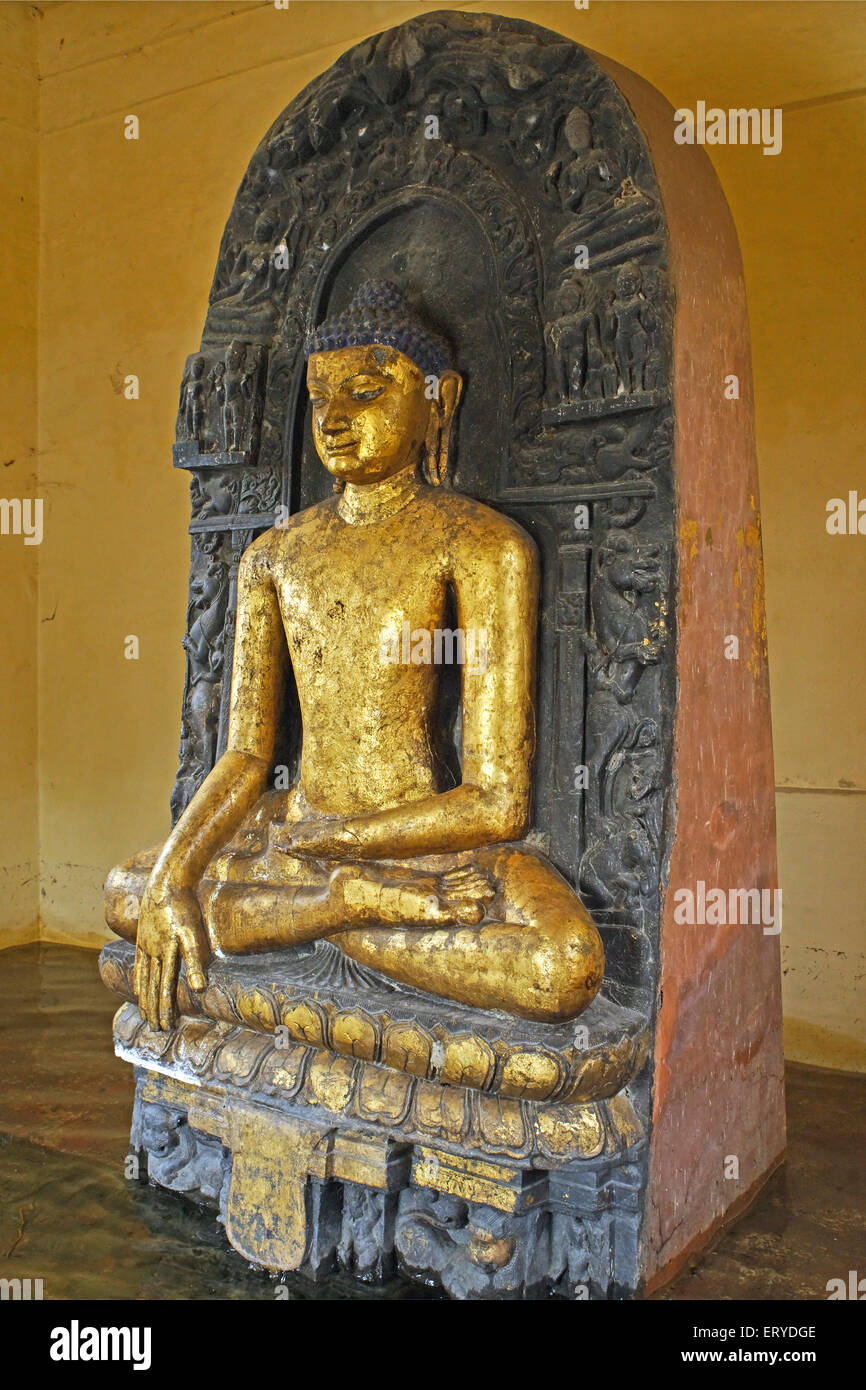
[474,526]
[282,540]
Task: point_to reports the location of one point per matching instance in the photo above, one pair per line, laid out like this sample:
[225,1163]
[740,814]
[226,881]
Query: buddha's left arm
[496,589]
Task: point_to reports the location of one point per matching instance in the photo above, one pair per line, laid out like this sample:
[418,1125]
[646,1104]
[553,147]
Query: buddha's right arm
[210,820]
[240,776]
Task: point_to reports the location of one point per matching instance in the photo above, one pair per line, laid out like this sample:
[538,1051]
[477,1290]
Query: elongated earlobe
[438,440]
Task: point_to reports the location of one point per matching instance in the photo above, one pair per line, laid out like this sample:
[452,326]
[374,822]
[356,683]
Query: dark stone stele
[494,173]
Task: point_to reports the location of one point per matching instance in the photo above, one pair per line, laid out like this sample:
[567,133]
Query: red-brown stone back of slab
[718,1070]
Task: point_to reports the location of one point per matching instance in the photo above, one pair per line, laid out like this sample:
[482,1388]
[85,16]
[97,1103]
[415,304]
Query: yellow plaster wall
[19,239]
[129,235]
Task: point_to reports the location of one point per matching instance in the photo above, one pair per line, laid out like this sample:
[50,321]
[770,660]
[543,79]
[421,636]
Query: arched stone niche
[528,195]
[475,178]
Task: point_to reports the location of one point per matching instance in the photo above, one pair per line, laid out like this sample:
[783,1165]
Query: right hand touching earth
[170,930]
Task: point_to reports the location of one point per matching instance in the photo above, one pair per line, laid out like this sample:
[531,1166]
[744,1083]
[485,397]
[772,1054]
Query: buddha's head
[382,390]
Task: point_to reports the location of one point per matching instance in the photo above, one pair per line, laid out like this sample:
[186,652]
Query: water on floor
[71,1217]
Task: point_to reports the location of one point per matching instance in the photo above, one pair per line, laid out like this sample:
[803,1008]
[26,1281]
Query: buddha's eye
[316,400]
[368,393]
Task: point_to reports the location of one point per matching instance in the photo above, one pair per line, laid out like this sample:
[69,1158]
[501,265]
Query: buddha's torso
[349,595]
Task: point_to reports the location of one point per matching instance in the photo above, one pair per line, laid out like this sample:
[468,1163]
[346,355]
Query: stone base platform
[335,1119]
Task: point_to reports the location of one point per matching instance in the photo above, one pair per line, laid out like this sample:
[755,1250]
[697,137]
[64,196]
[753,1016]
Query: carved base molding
[303,1183]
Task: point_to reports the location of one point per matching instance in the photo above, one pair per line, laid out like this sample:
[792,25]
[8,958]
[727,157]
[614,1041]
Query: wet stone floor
[69,1215]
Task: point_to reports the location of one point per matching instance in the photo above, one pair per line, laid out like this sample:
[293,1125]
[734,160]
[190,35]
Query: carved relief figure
[573,342]
[176,1156]
[203,644]
[194,399]
[430,884]
[235,395]
[216,405]
[584,178]
[634,321]
[251,270]
[628,637]
[207,595]
[220,408]
[214,495]
[616,868]
[603,343]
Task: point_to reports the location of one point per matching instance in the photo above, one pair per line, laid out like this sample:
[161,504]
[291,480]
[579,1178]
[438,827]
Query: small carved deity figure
[252,269]
[236,388]
[195,400]
[634,322]
[585,178]
[601,378]
[216,403]
[268,262]
[253,361]
[573,343]
[374,848]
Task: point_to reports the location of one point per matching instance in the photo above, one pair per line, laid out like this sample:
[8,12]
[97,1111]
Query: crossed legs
[496,928]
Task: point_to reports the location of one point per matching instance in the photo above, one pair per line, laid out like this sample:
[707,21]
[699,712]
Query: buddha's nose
[335,422]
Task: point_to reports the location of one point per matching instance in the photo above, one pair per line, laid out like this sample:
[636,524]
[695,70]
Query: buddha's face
[371,415]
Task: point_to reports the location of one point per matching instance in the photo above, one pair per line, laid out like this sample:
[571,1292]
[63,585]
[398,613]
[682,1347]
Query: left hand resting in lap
[315,839]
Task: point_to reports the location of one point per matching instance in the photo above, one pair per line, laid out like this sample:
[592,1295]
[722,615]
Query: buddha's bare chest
[340,608]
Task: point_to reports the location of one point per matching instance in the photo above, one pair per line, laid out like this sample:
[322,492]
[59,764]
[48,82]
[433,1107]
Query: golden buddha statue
[433,887]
